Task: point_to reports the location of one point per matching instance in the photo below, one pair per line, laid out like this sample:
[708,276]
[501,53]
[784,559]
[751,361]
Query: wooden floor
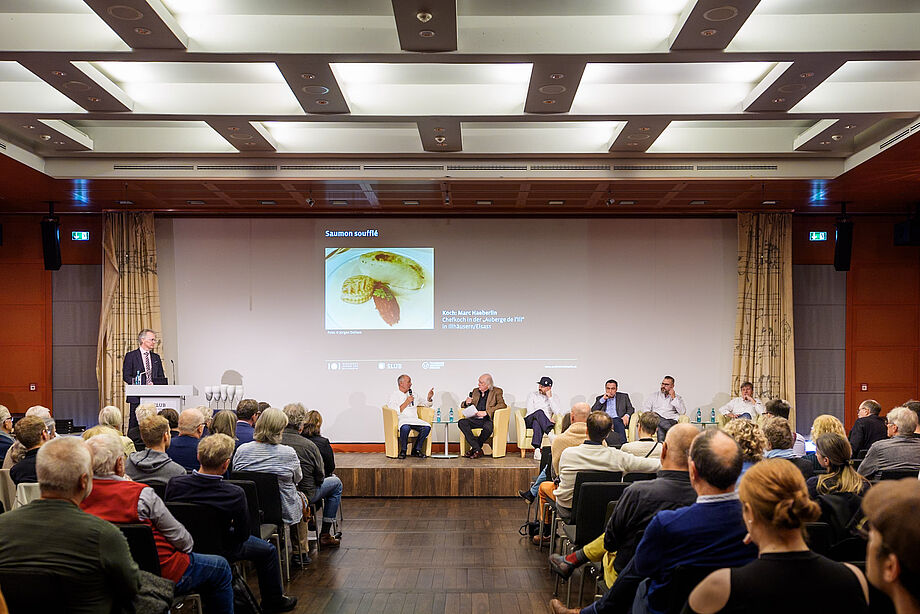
[428,556]
[375,475]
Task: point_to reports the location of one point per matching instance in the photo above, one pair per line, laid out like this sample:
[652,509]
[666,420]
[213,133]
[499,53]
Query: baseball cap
[545,381]
[891,507]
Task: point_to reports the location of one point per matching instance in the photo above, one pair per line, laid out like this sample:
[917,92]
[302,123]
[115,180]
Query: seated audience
[901,452]
[247,412]
[144,410]
[16,451]
[172,416]
[826,423]
[6,431]
[152,465]
[88,556]
[263,405]
[111,416]
[893,552]
[914,406]
[646,444]
[311,430]
[224,422]
[781,409]
[31,433]
[326,491]
[117,499]
[750,438]
[206,486]
[833,453]
[636,508]
[265,454]
[184,448]
[573,434]
[776,508]
[868,428]
[207,414]
[779,444]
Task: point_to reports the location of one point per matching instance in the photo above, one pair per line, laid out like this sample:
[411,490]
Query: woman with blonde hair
[111,416]
[786,575]
[826,423]
[833,453]
[224,422]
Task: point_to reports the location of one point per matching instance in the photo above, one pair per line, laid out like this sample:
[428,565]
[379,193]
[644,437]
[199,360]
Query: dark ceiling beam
[553,84]
[141,24]
[789,82]
[426,25]
[639,134]
[837,135]
[82,83]
[440,134]
[314,86]
[46,136]
[243,135]
[710,24]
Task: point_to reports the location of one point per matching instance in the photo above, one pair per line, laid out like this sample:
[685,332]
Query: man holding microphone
[403,401]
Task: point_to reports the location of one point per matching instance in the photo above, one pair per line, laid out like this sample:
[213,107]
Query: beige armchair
[391,430]
[634,421]
[524,434]
[501,420]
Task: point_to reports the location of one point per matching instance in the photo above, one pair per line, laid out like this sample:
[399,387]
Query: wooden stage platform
[372,474]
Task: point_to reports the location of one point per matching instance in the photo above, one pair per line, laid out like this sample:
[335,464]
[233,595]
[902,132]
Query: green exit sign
[80,235]
[816,235]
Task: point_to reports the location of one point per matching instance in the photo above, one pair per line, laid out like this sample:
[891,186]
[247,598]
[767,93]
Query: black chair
[639,476]
[898,474]
[207,525]
[683,580]
[142,545]
[819,537]
[580,478]
[273,527]
[32,590]
[158,488]
[252,500]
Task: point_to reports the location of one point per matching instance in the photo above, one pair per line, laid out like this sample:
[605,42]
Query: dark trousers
[619,427]
[540,425]
[132,417]
[466,426]
[422,434]
[619,598]
[664,425]
[265,558]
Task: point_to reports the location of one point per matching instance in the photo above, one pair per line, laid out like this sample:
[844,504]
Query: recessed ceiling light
[778,100]
[94,99]
[709,32]
[699,202]
[824,143]
[555,202]
[439,129]
[627,202]
[60,143]
[194,202]
[549,101]
[45,137]
[232,128]
[850,126]
[557,75]
[423,16]
[307,75]
[410,202]
[836,137]
[806,75]
[241,137]
[483,202]
[339,203]
[267,202]
[28,127]
[768,202]
[644,129]
[322,101]
[251,143]
[124,202]
[440,139]
[631,144]
[58,73]
[426,33]
[143,31]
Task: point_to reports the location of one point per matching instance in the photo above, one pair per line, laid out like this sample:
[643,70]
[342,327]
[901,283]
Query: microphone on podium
[173,363]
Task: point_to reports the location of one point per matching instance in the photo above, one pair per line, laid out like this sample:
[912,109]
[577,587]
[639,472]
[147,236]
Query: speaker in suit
[620,406]
[134,362]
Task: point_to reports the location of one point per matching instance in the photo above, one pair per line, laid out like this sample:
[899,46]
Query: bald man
[184,448]
[575,435]
[477,413]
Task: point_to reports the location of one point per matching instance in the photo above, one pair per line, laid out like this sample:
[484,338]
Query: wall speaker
[844,244]
[51,242]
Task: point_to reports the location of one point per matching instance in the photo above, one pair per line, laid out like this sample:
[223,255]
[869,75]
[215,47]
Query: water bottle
[712,415]
[137,379]
[451,415]
[699,415]
[439,415]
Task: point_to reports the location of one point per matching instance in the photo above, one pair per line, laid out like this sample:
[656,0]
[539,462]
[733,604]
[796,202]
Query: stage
[372,474]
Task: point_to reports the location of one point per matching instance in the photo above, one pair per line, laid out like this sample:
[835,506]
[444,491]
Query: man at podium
[142,366]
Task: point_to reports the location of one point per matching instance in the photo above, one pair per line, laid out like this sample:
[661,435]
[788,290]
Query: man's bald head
[716,459]
[189,421]
[676,450]
[580,412]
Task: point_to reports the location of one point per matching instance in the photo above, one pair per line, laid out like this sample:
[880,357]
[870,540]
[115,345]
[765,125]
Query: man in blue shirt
[618,407]
[184,448]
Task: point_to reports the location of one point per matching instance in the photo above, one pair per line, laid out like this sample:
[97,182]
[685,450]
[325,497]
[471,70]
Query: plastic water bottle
[699,415]
[439,415]
[451,414]
[137,379]
[712,415]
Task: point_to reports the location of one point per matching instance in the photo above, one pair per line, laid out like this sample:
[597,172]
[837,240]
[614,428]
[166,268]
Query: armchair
[501,420]
[391,430]
[524,434]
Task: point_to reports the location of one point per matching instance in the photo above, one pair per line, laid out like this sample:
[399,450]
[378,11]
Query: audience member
[574,434]
[247,412]
[89,557]
[99,429]
[901,452]
[153,466]
[184,448]
[111,416]
[893,553]
[914,406]
[868,428]
[6,431]
[311,430]
[833,453]
[117,499]
[206,486]
[263,405]
[224,422]
[207,414]
[826,423]
[31,433]
[318,488]
[779,444]
[144,410]
[775,508]
[16,451]
[646,444]
[782,409]
[667,404]
[265,454]
[750,438]
[172,416]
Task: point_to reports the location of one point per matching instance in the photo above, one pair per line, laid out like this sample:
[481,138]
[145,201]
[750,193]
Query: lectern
[162,396]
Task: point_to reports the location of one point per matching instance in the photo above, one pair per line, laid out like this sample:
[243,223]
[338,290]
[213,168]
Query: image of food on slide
[379,288]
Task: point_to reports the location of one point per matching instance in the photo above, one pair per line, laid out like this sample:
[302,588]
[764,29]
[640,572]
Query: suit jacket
[866,431]
[622,402]
[134,363]
[495,400]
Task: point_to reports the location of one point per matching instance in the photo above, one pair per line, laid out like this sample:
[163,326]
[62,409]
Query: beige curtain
[764,351]
[130,298]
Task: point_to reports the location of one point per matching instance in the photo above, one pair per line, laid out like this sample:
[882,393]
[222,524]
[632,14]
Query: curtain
[130,299]
[763,348]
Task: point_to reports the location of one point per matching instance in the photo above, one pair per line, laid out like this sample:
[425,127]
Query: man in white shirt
[667,404]
[403,401]
[542,408]
[745,406]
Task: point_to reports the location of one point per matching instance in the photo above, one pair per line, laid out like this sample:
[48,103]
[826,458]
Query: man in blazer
[145,361]
[477,411]
[616,405]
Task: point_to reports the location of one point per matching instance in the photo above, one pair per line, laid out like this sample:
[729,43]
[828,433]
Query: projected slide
[369,289]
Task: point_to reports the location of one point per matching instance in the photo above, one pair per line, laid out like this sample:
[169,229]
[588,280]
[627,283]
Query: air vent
[486,167]
[153,167]
[736,167]
[570,167]
[898,136]
[404,167]
[307,167]
[2,145]
[649,167]
[237,167]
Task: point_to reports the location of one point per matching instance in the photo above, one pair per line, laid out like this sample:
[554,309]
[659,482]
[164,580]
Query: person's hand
[469,400]
[411,399]
[747,398]
[607,397]
[549,393]
[481,414]
[672,394]
[626,419]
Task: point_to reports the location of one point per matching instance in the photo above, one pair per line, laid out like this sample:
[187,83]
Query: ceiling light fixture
[60,143]
[423,16]
[721,13]
[850,126]
[310,202]
[143,31]
[824,143]
[124,202]
[194,202]
[768,202]
[58,73]
[267,202]
[699,202]
[778,100]
[627,202]
[232,128]
[644,129]
[549,101]
[315,89]
[557,75]
[552,89]
[440,139]
[806,75]
[128,13]
[307,75]
[426,33]
[708,32]
[45,137]
[94,99]
[439,129]
[836,137]
[483,202]
[28,127]
[339,203]
[251,143]
[410,202]
[555,202]
[322,101]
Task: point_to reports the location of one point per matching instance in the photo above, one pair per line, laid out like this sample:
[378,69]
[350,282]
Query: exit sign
[80,235]
[816,235]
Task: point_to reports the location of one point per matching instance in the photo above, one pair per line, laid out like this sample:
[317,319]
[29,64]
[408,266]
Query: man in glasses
[900,452]
[893,551]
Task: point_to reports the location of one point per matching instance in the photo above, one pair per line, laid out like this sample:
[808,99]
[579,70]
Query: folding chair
[144,552]
[270,506]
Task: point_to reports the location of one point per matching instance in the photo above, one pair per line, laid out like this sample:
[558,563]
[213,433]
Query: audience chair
[638,476]
[270,506]
[255,515]
[7,489]
[501,419]
[143,549]
[683,580]
[580,478]
[31,590]
[391,430]
[897,474]
[206,525]
[818,536]
[524,434]
[26,493]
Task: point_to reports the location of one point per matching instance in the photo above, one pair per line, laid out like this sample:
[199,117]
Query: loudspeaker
[907,232]
[844,244]
[51,242]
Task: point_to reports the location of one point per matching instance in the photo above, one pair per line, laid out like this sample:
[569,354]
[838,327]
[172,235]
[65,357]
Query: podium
[162,396]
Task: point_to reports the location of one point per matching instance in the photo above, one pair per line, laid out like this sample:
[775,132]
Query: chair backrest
[33,590]
[819,537]
[158,487]
[207,525]
[897,474]
[143,547]
[639,476]
[683,580]
[594,497]
[26,492]
[252,501]
[269,494]
[591,476]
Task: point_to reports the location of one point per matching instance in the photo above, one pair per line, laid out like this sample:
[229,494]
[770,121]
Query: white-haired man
[90,557]
[184,448]
[477,413]
[404,402]
[900,452]
[118,499]
[6,431]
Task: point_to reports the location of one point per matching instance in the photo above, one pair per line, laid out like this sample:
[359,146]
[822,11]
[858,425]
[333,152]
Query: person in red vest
[118,499]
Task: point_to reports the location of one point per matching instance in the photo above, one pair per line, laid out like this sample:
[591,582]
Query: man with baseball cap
[542,408]
[893,552]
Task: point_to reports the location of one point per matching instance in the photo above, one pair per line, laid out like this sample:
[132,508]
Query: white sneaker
[537,454]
